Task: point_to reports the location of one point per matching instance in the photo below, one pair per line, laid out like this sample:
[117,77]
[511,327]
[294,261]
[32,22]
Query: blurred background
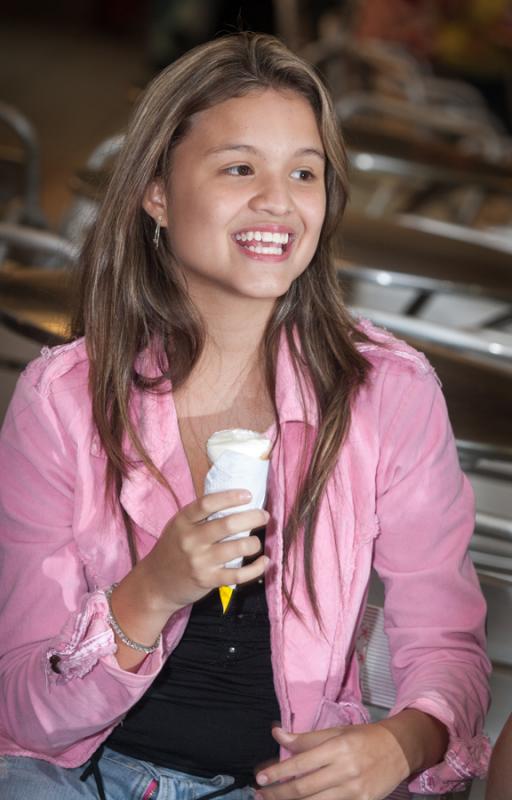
[423,92]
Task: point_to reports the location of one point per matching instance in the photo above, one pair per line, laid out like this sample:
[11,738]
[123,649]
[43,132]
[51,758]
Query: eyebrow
[247,148]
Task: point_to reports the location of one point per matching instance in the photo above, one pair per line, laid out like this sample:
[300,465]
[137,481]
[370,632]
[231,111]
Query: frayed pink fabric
[344,712]
[85,639]
[462,762]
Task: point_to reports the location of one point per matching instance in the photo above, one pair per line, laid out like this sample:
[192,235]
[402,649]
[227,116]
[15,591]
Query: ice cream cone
[239,460]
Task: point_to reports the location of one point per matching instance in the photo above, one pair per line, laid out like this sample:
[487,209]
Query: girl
[209,301]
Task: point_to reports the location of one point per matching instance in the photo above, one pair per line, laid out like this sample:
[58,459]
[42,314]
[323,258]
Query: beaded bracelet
[112,621]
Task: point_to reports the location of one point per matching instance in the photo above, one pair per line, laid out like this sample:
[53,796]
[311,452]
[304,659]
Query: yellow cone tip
[226,593]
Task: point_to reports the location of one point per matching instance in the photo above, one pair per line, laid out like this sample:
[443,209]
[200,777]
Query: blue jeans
[124,778]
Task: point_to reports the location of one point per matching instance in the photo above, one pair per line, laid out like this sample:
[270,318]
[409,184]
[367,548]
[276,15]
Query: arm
[355,761]
[48,608]
[63,675]
[434,609]
[435,616]
[185,564]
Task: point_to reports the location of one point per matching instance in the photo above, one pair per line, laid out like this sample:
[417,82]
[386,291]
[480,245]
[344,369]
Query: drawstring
[92,768]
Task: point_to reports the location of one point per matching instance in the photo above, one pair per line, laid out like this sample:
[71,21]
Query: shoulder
[58,368]
[388,354]
[55,384]
[402,384]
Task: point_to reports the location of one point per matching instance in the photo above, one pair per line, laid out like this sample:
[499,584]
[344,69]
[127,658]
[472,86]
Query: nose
[272,196]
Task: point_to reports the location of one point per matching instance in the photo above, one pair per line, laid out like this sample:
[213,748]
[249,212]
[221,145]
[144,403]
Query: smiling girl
[209,301]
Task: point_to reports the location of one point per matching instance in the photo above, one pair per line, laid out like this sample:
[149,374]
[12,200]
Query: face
[246,197]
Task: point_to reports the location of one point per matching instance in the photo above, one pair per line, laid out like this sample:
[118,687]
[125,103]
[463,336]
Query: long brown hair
[131,298]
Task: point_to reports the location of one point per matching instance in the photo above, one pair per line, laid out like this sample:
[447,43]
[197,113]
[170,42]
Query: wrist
[422,738]
[120,633]
[139,617]
[151,599]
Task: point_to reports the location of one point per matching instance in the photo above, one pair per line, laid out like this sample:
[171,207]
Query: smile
[266,243]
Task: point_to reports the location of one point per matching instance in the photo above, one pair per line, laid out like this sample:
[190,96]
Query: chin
[269,295]
[267,290]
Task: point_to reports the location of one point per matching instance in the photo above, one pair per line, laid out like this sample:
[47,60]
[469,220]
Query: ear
[155,201]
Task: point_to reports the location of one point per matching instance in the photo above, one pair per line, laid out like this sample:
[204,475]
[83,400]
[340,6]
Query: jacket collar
[155,416]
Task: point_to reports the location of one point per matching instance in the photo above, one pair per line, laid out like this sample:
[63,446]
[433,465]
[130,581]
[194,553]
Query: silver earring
[156,235]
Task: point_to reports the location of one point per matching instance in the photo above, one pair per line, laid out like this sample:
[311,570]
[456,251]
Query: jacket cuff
[463,761]
[465,758]
[85,639]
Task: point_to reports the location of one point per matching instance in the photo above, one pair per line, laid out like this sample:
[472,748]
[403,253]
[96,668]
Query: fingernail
[244,494]
[267,515]
[262,778]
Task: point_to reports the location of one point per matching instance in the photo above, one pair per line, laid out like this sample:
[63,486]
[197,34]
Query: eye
[242,170]
[303,174]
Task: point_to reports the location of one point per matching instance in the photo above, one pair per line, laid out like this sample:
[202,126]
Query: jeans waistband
[93,768]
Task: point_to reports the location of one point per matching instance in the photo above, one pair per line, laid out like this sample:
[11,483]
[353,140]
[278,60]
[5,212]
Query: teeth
[262,236]
[266,251]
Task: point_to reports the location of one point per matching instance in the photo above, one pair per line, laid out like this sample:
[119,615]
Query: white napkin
[236,471]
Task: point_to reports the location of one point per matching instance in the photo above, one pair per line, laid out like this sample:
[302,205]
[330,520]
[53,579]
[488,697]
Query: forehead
[260,115]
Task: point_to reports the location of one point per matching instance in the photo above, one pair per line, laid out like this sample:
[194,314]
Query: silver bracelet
[112,621]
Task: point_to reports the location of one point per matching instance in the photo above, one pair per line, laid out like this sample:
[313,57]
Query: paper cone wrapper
[236,471]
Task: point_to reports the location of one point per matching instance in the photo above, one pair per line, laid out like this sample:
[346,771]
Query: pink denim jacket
[397,500]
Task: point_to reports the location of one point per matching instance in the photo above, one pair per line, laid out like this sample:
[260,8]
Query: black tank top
[211,708]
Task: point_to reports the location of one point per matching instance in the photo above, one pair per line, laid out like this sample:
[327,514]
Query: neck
[234,329]
[230,371]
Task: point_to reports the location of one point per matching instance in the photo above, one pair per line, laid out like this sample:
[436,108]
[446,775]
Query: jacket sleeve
[49,614]
[434,609]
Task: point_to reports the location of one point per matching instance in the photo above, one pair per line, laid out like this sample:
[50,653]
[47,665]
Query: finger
[237,548]
[301,742]
[229,576]
[200,509]
[295,766]
[303,786]
[216,530]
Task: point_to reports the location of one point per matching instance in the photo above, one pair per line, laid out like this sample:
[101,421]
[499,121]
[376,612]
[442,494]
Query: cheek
[198,228]
[316,216]
[198,214]
[313,208]
[185,220]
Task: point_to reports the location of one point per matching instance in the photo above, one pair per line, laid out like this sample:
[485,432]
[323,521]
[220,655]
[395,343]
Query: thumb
[300,742]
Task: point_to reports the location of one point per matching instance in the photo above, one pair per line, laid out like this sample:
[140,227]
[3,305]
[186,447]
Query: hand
[188,560]
[353,763]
